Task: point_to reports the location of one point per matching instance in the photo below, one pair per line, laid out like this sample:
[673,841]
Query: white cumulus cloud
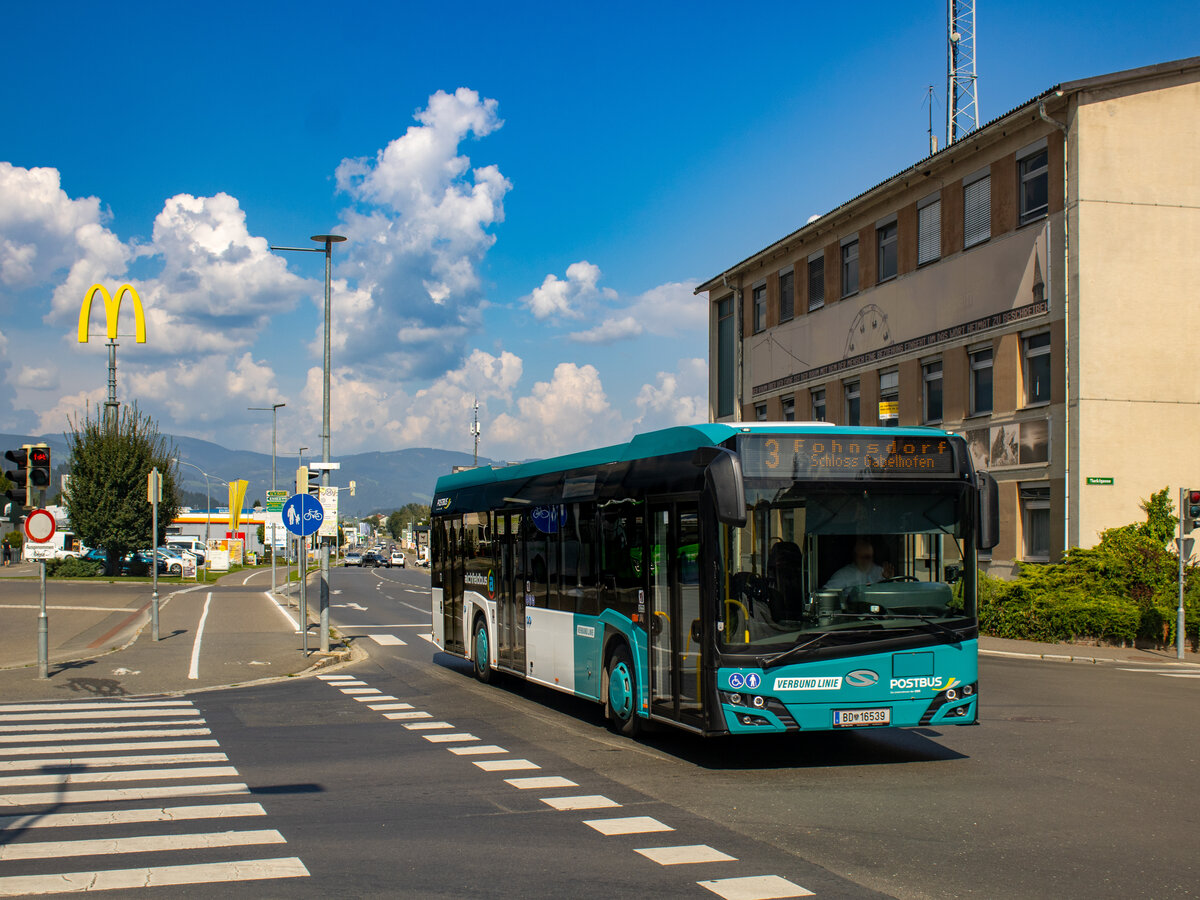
[569,412]
[675,398]
[569,297]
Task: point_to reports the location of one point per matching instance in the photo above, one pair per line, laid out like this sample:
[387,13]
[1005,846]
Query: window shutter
[977,211]
[929,232]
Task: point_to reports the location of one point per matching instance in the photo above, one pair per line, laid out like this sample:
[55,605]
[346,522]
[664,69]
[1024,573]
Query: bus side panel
[438,623]
[550,647]
[635,639]
[589,647]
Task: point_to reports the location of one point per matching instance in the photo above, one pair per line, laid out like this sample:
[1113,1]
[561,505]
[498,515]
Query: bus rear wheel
[620,703]
[483,668]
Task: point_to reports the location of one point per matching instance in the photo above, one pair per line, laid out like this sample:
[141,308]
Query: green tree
[110,463]
[406,515]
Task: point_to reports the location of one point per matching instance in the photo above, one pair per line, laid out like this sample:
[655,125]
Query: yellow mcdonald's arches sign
[112,311]
[237,496]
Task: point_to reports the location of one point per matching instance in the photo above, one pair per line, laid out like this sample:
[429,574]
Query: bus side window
[621,572]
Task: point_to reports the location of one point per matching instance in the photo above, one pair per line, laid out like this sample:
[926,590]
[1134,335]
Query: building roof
[1059,90]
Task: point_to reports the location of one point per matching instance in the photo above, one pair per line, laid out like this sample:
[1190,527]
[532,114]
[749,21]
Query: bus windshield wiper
[778,659]
[929,620]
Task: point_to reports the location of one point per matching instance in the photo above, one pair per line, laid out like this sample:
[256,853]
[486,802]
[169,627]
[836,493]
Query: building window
[818,406]
[981,381]
[760,308]
[787,295]
[789,409]
[931,375]
[853,411]
[816,283]
[1035,521]
[850,268]
[726,339]
[888,260]
[889,390]
[1035,186]
[929,232]
[1037,369]
[760,412]
[977,211]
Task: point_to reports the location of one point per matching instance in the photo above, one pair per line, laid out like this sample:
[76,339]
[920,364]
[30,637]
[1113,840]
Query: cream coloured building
[1033,286]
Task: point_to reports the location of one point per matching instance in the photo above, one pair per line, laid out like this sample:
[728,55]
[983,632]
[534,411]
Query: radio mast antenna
[475,432]
[962,91]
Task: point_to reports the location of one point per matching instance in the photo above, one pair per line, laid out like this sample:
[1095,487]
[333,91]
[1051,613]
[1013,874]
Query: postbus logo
[862,678]
[112,312]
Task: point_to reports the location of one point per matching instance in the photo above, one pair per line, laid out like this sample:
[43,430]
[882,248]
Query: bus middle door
[676,689]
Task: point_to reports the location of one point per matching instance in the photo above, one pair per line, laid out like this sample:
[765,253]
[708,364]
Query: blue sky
[531,190]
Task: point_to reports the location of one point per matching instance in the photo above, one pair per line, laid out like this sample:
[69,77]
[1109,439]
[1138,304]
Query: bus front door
[452,588]
[676,691]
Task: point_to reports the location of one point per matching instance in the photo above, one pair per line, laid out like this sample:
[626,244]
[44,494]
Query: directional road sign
[302,514]
[40,526]
[275,500]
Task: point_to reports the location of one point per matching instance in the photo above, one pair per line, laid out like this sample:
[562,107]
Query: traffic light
[1191,509]
[38,461]
[353,487]
[18,491]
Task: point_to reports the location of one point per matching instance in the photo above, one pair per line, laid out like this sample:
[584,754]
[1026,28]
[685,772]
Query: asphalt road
[1081,782]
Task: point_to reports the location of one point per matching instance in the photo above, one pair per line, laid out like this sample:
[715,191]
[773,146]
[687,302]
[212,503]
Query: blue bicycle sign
[303,514]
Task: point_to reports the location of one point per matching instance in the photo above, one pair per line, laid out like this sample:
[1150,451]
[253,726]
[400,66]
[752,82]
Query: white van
[190,544]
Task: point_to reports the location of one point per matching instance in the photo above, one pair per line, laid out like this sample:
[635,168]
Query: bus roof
[658,443]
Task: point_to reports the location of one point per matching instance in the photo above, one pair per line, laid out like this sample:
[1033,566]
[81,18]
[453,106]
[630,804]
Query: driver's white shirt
[853,576]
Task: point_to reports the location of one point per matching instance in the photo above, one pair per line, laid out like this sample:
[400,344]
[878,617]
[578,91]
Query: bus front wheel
[483,668]
[620,704]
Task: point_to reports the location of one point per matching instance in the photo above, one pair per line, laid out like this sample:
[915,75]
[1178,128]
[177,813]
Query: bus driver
[862,571]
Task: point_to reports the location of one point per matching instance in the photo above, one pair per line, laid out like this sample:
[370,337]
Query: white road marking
[354,682]
[476,751]
[252,574]
[95,762]
[358,691]
[76,705]
[1178,675]
[397,625]
[540,781]
[627,825]
[377,699]
[108,609]
[156,876]
[504,765]
[131,816]
[589,801]
[457,737]
[426,726]
[691,853]
[755,887]
[429,637]
[294,624]
[387,640]
[73,717]
[139,844]
[107,748]
[116,777]
[385,707]
[105,735]
[407,715]
[194,669]
[57,798]
[357,606]
[336,677]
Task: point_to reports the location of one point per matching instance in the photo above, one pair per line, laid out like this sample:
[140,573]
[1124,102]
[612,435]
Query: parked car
[352,558]
[173,559]
[398,559]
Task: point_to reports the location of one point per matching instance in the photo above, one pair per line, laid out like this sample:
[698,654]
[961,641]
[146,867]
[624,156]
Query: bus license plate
[857,718]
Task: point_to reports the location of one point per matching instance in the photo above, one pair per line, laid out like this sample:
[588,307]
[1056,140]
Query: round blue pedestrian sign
[303,514]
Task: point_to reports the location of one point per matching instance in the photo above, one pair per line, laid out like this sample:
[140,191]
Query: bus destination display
[843,456]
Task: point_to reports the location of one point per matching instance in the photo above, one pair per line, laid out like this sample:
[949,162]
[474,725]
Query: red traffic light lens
[1193,496]
[42,458]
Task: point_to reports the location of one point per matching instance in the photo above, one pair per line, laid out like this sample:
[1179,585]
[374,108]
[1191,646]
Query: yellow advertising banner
[237,496]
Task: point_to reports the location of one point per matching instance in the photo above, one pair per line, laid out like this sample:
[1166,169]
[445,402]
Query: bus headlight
[759,702]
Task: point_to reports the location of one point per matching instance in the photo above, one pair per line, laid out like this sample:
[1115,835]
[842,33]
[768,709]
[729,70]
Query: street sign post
[39,529]
[302,516]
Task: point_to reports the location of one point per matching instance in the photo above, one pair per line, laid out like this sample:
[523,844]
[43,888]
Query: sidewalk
[228,633]
[992,646]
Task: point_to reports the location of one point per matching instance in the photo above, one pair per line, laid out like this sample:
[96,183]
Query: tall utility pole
[962,93]
[475,432]
[274,408]
[328,240]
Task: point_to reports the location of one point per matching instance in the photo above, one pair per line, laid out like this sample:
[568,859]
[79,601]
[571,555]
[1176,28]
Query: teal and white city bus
[727,579]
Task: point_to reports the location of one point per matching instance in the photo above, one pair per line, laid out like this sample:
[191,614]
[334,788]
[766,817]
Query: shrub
[73,567]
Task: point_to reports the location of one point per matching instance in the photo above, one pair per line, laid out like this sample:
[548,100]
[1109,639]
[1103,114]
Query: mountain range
[385,480]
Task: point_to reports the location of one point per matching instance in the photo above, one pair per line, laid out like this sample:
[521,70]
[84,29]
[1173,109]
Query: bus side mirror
[987,529]
[723,479]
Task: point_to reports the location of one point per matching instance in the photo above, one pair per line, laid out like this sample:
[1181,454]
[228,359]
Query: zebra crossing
[123,794]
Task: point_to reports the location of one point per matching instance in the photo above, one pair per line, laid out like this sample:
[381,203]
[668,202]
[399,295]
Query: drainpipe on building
[737,351]
[1066,317]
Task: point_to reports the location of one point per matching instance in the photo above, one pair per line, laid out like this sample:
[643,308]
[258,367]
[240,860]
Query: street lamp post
[327,240]
[302,573]
[274,408]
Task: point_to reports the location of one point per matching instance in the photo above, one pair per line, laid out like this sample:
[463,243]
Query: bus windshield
[852,563]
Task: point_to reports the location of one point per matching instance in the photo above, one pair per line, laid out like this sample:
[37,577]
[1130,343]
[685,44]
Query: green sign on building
[1099,479]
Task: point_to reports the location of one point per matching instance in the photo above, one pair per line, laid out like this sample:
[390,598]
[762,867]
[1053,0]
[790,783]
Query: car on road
[352,558]
[398,559]
[370,559]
